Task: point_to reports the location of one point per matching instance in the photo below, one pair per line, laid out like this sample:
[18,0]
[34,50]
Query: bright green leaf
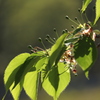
[55,53]
[85,53]
[31,84]
[97,11]
[57,80]
[10,72]
[85,4]
[50,84]
[26,67]
[64,78]
[12,68]
[57,49]
[17,90]
[40,63]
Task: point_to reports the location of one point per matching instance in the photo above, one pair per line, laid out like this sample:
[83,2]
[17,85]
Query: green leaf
[85,4]
[97,32]
[64,78]
[57,48]
[31,84]
[40,63]
[26,67]
[97,11]
[77,30]
[72,40]
[17,90]
[56,81]
[85,53]
[11,70]
[55,54]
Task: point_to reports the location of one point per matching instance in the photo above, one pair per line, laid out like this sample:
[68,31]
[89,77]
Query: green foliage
[51,67]
[10,73]
[85,53]
[57,49]
[57,81]
[85,5]
[97,11]
[31,82]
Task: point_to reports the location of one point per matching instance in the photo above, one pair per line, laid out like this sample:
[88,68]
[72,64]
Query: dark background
[23,21]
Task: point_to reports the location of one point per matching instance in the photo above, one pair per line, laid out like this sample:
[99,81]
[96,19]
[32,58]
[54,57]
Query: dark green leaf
[72,40]
[77,30]
[85,53]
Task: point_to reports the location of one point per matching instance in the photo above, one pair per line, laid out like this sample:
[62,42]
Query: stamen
[79,10]
[42,44]
[56,32]
[86,16]
[72,26]
[49,41]
[63,31]
[33,50]
[71,20]
[77,20]
[48,36]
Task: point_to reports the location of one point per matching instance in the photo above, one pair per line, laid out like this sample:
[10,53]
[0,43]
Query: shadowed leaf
[57,80]
[85,53]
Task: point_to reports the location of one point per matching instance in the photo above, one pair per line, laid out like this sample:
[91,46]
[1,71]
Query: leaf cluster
[97,4]
[51,68]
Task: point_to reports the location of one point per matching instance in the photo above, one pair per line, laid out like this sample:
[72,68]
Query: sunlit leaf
[85,4]
[57,48]
[31,84]
[85,53]
[64,78]
[11,70]
[97,11]
[40,63]
[56,81]
[26,67]
[17,90]
[55,53]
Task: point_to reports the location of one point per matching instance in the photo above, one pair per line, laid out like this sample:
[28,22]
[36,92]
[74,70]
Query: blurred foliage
[24,21]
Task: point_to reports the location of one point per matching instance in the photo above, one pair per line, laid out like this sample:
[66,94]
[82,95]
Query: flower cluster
[68,58]
[87,31]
